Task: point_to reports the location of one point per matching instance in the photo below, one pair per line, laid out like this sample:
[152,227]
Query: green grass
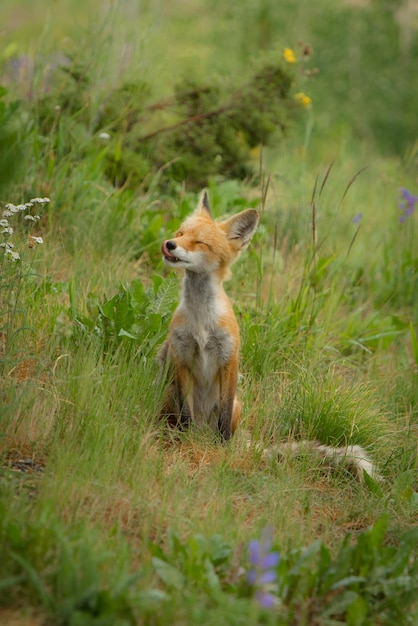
[103,518]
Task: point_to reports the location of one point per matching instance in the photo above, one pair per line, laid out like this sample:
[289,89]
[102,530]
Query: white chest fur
[201,343]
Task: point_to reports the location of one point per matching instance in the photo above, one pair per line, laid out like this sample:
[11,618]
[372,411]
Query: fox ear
[242,227]
[204,203]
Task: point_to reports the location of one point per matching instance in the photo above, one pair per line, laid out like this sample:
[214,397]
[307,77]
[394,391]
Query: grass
[103,519]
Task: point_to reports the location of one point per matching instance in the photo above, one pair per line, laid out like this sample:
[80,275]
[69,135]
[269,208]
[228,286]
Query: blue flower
[407,205]
[357,218]
[262,575]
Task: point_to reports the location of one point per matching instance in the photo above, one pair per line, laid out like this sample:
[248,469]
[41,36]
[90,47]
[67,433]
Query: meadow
[113,117]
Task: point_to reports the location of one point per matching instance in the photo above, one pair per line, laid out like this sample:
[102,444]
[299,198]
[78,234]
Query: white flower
[7,244]
[4,223]
[7,231]
[39,200]
[104,136]
[36,239]
[14,256]
[7,213]
[32,218]
[12,208]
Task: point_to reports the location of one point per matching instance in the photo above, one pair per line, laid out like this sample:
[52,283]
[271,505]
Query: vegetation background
[118,113]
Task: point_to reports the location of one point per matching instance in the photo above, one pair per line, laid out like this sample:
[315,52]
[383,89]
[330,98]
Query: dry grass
[23,617]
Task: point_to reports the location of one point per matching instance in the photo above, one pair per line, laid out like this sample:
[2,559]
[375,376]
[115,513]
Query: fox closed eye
[203,243]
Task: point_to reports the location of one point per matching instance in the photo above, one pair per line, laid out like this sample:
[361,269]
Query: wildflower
[12,208]
[104,136]
[34,240]
[262,575]
[303,99]
[32,218]
[7,231]
[408,204]
[14,256]
[39,201]
[357,218]
[289,55]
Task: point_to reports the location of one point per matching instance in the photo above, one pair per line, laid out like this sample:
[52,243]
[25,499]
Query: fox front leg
[183,397]
[175,410]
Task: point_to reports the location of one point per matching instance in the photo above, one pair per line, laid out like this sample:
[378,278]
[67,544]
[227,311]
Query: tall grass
[104,518]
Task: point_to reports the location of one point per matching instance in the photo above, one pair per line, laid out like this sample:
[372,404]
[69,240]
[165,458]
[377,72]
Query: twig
[189,120]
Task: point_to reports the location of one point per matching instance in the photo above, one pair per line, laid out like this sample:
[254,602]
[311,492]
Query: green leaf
[11,581]
[151,598]
[347,582]
[220,551]
[357,612]
[108,309]
[157,280]
[154,322]
[211,576]
[35,580]
[165,297]
[137,294]
[168,574]
[414,342]
[372,485]
[85,322]
[125,333]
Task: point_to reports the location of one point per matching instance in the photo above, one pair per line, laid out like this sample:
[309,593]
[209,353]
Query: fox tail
[353,457]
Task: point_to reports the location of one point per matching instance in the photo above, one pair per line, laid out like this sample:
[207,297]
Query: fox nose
[167,247]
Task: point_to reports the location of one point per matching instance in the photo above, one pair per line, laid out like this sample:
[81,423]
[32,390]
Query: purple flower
[262,574]
[357,218]
[265,599]
[407,205]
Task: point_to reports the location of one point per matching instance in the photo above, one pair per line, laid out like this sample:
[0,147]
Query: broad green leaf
[125,333]
[357,612]
[168,574]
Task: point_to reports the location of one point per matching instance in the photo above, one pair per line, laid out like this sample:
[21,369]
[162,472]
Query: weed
[15,271]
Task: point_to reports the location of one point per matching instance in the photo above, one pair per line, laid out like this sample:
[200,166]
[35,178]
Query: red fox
[203,343]
[202,348]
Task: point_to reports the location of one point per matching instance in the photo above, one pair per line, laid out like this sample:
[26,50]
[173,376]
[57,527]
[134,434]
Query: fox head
[203,245]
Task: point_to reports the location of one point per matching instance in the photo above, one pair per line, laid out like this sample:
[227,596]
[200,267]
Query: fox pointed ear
[204,203]
[241,227]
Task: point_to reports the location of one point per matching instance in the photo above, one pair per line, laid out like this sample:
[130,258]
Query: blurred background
[365,51]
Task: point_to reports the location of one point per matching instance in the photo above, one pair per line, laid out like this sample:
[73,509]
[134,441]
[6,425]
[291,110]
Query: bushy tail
[354,458]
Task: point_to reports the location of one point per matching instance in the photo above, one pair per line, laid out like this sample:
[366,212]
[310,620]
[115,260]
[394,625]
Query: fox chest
[201,350]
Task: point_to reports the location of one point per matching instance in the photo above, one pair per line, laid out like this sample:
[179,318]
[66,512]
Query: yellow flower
[303,99]
[289,55]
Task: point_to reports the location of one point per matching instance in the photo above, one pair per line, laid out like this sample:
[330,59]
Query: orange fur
[202,348]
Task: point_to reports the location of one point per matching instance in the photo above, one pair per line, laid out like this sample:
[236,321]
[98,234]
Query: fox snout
[166,249]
